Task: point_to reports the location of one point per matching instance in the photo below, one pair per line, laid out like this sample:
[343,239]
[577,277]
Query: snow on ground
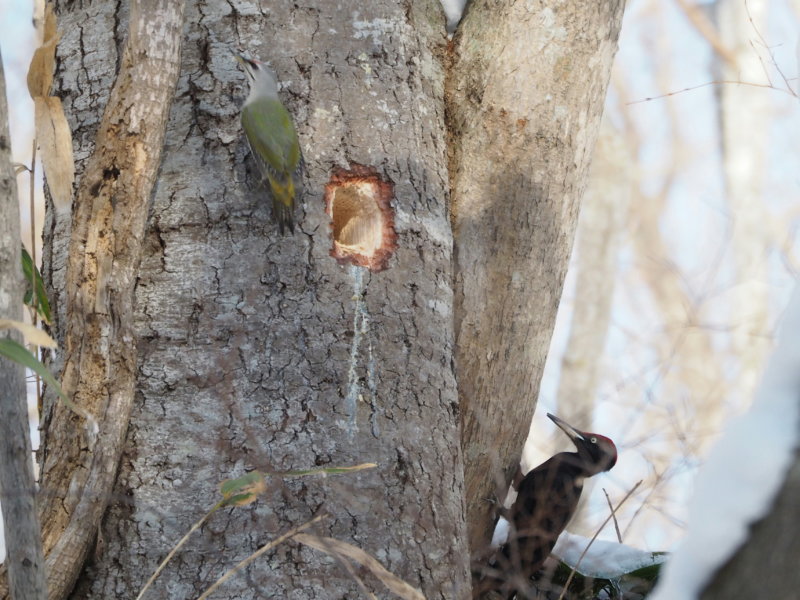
[500,535]
[607,560]
[743,473]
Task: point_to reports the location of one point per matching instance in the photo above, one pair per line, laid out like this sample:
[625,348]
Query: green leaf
[243,490]
[33,280]
[650,572]
[20,354]
[15,351]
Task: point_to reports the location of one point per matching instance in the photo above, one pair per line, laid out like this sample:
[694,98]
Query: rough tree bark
[79,461]
[24,559]
[256,351]
[526,97]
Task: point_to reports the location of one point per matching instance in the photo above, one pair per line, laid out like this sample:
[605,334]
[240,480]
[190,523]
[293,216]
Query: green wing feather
[273,142]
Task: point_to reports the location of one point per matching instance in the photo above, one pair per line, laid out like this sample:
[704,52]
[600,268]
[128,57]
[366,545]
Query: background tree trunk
[600,235]
[23,538]
[257,351]
[766,565]
[746,117]
[525,101]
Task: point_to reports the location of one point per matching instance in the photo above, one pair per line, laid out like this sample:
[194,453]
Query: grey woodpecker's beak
[248,64]
[571,432]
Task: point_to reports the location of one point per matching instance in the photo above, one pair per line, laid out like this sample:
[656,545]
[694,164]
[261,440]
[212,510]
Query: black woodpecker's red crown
[597,452]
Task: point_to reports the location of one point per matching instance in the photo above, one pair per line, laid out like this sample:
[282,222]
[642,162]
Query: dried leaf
[40,73]
[33,335]
[52,130]
[55,142]
[327,470]
[344,550]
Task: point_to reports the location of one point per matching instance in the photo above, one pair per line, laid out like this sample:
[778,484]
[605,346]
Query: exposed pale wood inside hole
[357,218]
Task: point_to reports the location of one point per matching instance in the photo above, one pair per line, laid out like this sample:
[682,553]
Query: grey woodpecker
[546,501]
[273,140]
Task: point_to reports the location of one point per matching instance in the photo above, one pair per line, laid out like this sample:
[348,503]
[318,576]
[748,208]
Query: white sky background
[654,32]
[738,483]
[697,228]
[17,45]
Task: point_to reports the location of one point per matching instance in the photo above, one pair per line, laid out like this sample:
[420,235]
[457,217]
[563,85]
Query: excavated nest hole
[358,202]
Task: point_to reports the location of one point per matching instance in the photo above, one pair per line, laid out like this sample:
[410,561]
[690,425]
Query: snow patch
[500,535]
[453,10]
[743,473]
[606,560]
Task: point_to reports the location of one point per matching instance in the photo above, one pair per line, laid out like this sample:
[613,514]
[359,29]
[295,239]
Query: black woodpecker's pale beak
[573,433]
[597,452]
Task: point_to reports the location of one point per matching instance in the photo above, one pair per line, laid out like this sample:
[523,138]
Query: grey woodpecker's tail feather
[283,215]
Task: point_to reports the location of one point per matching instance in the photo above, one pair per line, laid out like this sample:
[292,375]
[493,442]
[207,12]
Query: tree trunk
[601,229]
[746,118]
[766,564]
[526,97]
[256,351]
[261,351]
[604,213]
[23,538]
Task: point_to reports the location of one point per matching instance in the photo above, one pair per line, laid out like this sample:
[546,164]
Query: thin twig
[177,547]
[34,288]
[616,524]
[594,537]
[706,84]
[242,564]
[768,49]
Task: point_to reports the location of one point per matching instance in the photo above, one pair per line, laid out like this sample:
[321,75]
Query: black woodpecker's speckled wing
[546,500]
